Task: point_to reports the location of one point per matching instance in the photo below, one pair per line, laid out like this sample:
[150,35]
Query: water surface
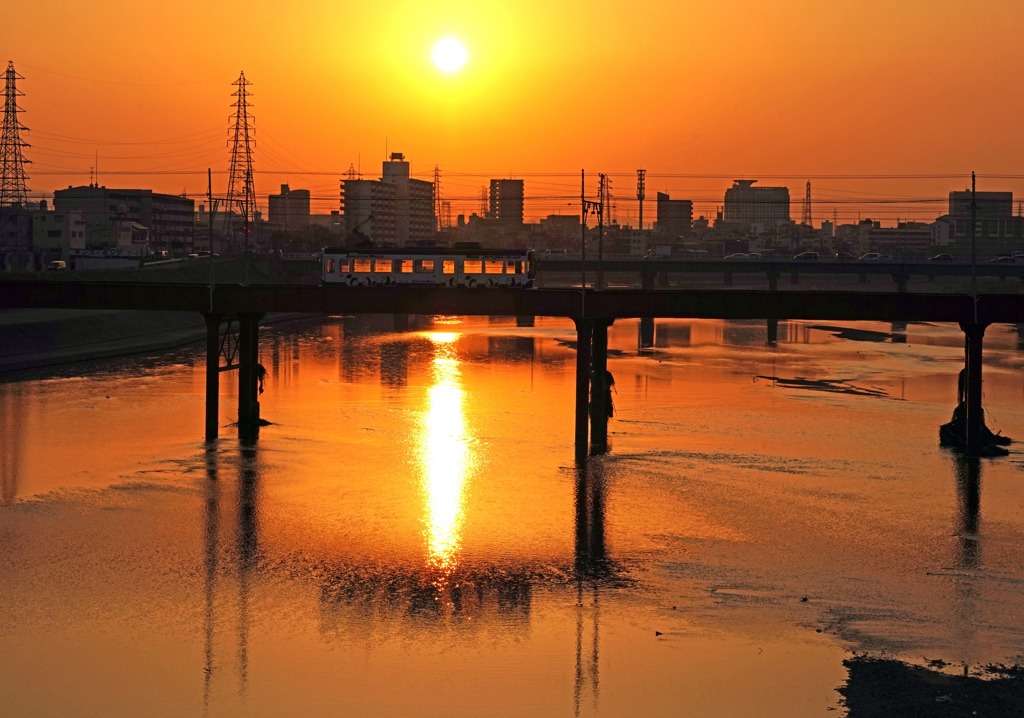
[412,536]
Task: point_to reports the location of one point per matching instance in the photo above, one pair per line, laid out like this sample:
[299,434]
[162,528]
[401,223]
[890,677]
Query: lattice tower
[641,193]
[438,213]
[806,218]
[13,190]
[241,191]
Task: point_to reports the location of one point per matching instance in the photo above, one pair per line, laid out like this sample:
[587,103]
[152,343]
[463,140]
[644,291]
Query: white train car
[436,266]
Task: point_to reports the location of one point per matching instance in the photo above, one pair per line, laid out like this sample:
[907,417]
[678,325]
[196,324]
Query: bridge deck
[609,304]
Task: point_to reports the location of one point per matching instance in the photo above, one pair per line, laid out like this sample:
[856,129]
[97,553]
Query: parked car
[808,256]
[1002,259]
[738,255]
[57,265]
[874,256]
[941,258]
[843,256]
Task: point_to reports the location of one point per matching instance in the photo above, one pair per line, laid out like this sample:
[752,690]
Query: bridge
[592,311]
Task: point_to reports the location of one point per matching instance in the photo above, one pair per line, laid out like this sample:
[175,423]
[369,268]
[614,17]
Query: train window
[406,266]
[448,266]
[382,265]
[495,266]
[344,265]
[510,267]
[424,265]
[362,265]
[330,266]
[473,266]
[519,268]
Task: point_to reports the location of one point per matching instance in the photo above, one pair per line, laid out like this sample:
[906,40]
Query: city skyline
[697,96]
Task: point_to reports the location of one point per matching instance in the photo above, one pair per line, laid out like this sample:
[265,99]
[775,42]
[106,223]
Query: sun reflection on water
[446,460]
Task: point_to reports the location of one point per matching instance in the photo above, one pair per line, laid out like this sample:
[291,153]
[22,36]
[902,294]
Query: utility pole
[974,255]
[13,191]
[602,194]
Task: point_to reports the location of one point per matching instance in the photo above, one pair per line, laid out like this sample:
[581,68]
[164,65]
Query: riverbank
[37,338]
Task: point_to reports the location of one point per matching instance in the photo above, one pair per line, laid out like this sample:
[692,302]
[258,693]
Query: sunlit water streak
[446,460]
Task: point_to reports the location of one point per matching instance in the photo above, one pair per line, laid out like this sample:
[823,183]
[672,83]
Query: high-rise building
[674,217]
[756,205]
[506,201]
[396,210]
[290,208]
[996,228]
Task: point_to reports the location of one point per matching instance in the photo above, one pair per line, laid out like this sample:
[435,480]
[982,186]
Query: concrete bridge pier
[592,387]
[584,339]
[773,331]
[973,335]
[600,389]
[248,374]
[646,338]
[900,279]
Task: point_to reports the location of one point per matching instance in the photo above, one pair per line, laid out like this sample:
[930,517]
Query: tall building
[396,210]
[506,201]
[674,217]
[368,212]
[290,208]
[168,219]
[747,204]
[996,228]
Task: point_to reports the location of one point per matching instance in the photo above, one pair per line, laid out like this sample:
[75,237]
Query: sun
[449,55]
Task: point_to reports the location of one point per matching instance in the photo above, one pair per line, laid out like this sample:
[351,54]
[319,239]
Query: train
[431,266]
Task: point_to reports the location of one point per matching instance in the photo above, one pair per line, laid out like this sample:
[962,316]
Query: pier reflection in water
[411,535]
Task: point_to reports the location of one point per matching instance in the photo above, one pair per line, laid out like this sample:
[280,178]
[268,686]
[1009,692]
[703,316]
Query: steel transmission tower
[13,191]
[438,205]
[241,192]
[806,218]
[640,195]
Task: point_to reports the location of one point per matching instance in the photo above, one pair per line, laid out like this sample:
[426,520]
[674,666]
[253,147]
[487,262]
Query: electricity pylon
[13,190]
[241,191]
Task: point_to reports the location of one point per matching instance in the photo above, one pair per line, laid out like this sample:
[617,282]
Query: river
[410,535]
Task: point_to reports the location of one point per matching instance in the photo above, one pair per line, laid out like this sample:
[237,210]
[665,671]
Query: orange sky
[695,93]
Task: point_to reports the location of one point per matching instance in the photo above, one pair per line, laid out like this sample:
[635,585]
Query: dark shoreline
[38,338]
[887,688]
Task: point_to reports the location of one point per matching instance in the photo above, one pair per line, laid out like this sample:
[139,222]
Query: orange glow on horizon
[697,95]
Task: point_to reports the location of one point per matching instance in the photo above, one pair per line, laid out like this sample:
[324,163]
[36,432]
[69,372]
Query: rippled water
[411,536]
